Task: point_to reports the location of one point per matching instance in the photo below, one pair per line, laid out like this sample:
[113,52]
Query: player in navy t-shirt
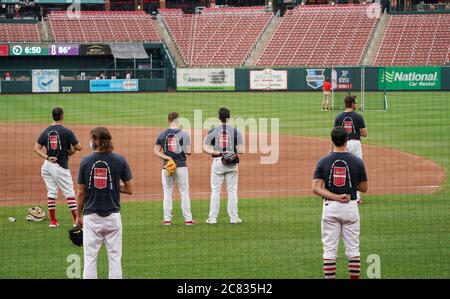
[337,178]
[173,143]
[58,142]
[355,127]
[99,202]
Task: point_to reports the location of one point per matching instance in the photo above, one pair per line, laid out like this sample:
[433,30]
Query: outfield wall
[311,79]
[240,79]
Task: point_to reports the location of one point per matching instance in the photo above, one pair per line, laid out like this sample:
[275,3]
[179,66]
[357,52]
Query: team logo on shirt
[53,141]
[339,176]
[224,139]
[347,123]
[172,144]
[100,177]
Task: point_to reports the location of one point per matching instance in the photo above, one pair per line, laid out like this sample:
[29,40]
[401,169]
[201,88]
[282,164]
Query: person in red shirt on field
[326,94]
[8,76]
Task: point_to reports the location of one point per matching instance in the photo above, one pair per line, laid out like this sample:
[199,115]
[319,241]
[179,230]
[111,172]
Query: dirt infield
[390,171]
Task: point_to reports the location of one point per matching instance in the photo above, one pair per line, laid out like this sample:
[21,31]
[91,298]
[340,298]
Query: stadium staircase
[165,36]
[44,33]
[376,39]
[261,44]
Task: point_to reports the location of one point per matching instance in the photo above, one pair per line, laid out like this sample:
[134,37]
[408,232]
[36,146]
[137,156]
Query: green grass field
[279,237]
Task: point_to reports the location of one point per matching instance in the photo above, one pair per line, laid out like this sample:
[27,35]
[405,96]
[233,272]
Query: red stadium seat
[17,32]
[415,40]
[104,26]
[217,37]
[316,35]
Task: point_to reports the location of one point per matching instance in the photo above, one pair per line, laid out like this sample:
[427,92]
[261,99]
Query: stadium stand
[316,35]
[415,40]
[170,11]
[19,32]
[231,9]
[218,38]
[103,26]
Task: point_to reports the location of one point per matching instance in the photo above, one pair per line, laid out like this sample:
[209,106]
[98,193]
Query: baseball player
[326,94]
[174,144]
[336,179]
[98,203]
[59,142]
[222,139]
[356,128]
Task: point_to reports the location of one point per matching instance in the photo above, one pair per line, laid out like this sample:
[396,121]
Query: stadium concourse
[309,35]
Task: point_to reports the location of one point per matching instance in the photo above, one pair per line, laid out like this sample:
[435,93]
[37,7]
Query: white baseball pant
[340,219]
[219,172]
[354,147]
[181,176]
[57,177]
[96,231]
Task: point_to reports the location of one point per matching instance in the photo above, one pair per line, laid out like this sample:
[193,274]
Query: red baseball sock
[51,203]
[329,268]
[354,267]
[72,203]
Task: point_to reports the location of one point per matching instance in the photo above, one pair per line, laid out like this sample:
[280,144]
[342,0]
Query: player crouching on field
[337,178]
[172,146]
[98,202]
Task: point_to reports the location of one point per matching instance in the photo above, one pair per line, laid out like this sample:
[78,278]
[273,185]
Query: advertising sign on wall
[205,79]
[4,50]
[315,78]
[268,79]
[409,78]
[45,80]
[113,85]
[341,79]
[95,50]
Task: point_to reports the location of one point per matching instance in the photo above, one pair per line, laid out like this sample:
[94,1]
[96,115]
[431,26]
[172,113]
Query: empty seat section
[411,40]
[103,26]
[318,35]
[217,37]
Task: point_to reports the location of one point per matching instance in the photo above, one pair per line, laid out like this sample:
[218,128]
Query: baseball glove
[35,214]
[76,236]
[170,167]
[71,151]
[230,158]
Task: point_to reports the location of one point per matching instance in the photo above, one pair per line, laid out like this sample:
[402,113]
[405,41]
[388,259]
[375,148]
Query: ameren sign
[409,78]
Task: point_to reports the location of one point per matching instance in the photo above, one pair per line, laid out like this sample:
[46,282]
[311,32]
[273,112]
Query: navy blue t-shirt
[224,138]
[101,173]
[174,143]
[57,139]
[341,173]
[352,122]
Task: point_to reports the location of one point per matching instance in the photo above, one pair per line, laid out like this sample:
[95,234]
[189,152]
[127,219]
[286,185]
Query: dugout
[153,70]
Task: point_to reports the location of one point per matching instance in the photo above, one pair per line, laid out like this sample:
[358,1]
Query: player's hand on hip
[53,159]
[344,198]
